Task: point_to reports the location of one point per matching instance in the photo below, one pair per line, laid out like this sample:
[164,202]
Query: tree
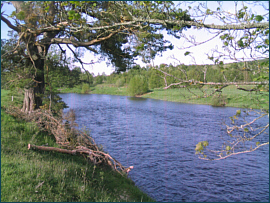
[137,85]
[100,27]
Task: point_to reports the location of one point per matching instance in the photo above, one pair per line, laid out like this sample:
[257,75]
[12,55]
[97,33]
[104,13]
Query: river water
[158,138]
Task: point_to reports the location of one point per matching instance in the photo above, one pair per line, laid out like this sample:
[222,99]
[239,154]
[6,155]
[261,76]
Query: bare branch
[9,24]
[76,43]
[236,153]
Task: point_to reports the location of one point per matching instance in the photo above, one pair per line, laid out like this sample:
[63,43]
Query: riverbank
[233,97]
[41,176]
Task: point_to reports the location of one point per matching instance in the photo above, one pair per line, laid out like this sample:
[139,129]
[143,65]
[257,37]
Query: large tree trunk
[33,95]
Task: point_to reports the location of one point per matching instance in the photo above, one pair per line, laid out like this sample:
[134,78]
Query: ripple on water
[158,138]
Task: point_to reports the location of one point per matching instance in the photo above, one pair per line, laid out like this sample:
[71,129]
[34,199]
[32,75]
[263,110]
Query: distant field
[235,97]
[99,89]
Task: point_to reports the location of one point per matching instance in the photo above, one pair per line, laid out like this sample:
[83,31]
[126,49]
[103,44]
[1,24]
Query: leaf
[240,43]
[257,143]
[64,4]
[71,13]
[246,130]
[13,14]
[187,53]
[20,15]
[228,148]
[238,112]
[258,18]
[199,147]
[205,143]
[77,16]
[47,8]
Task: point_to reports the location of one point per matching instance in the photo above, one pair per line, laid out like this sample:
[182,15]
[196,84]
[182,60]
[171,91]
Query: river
[158,138]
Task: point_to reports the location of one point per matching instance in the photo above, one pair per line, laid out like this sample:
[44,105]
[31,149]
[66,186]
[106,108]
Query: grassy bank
[29,176]
[233,96]
[98,89]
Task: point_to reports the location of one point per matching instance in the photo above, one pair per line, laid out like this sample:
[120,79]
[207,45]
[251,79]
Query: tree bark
[33,95]
[29,100]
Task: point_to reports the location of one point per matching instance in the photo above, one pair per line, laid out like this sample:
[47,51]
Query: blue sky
[198,53]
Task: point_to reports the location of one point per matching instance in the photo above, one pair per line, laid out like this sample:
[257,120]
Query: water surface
[158,138]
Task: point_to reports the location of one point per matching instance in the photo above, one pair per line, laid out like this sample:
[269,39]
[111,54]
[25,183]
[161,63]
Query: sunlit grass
[98,89]
[39,176]
[235,98]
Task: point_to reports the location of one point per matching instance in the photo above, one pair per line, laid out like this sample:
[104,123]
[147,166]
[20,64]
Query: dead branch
[53,149]
[70,140]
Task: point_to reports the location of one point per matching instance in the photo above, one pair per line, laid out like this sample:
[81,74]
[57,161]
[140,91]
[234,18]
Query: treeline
[59,75]
[140,80]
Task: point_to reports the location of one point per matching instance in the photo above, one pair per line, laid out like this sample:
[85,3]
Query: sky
[198,53]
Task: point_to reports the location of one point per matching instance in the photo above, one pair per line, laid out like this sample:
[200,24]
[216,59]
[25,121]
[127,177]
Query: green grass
[76,89]
[235,98]
[99,89]
[109,89]
[28,175]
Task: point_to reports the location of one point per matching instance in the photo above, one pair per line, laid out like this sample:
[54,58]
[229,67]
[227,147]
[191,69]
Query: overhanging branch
[9,24]
[77,43]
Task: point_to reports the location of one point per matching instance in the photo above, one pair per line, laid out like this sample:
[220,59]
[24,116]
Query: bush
[137,85]
[120,82]
[155,81]
[85,88]
[219,100]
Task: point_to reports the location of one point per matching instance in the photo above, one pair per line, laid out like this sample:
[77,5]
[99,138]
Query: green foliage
[258,18]
[187,53]
[120,82]
[155,81]
[98,79]
[219,100]
[201,146]
[85,88]
[53,102]
[137,85]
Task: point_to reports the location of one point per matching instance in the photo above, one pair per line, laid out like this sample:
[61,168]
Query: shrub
[85,88]
[219,100]
[120,82]
[137,85]
[155,81]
